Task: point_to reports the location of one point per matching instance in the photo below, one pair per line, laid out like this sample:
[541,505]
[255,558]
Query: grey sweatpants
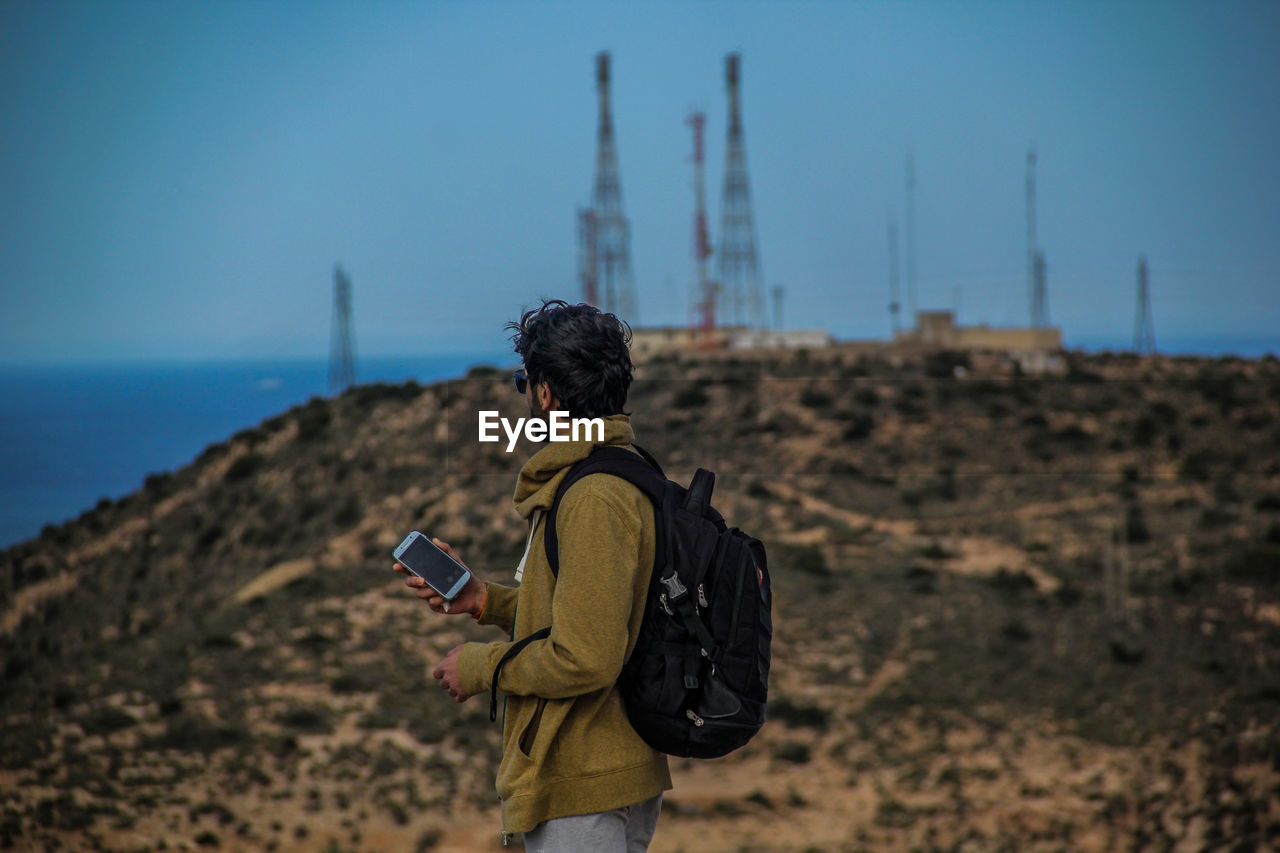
[625,830]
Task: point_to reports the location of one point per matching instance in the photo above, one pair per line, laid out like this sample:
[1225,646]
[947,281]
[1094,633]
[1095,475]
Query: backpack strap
[516,648]
[641,471]
[644,473]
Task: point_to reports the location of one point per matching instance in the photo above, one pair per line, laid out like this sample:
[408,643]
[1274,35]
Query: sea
[71,435]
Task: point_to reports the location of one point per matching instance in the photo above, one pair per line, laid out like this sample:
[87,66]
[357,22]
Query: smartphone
[422,557]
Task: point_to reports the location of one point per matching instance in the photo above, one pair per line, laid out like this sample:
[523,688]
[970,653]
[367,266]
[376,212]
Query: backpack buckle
[676,591]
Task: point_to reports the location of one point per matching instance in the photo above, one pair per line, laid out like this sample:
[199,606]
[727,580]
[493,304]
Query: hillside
[1011,613]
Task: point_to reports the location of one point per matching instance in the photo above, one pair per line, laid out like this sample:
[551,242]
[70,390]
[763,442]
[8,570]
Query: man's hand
[469,600]
[447,674]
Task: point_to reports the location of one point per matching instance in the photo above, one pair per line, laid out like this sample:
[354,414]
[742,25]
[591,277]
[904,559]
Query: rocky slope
[1032,613]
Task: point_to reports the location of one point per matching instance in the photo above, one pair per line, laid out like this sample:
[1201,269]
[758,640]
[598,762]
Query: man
[574,775]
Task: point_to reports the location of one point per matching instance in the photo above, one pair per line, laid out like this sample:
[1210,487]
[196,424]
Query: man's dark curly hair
[582,353]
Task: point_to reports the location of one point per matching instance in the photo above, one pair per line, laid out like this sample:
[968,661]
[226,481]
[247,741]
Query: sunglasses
[522,380]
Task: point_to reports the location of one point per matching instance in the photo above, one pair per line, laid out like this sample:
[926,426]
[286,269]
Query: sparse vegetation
[689,397]
[799,715]
[939,552]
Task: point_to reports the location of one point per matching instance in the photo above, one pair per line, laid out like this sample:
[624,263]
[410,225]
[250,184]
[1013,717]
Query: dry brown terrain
[1012,613]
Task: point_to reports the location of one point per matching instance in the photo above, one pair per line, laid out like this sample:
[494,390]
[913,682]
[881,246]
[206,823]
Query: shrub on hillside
[944,364]
[315,719]
[798,715]
[245,466]
[1256,563]
[313,419]
[859,427]
[689,397]
[808,560]
[1198,466]
[1135,525]
[815,399]
[866,396]
[1145,430]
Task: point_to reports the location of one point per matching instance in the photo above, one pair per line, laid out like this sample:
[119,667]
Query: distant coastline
[1208,346]
[72,434]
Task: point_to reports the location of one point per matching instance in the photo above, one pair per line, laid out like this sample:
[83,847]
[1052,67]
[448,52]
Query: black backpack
[696,683]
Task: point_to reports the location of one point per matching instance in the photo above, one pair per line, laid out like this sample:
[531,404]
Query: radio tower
[612,232]
[342,360]
[588,258]
[1144,330]
[739,268]
[1035,257]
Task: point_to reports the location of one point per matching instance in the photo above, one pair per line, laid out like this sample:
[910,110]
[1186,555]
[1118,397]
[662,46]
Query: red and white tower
[704,289]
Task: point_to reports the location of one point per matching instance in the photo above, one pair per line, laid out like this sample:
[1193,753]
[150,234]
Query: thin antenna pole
[1144,332]
[1036,275]
[911,234]
[894,307]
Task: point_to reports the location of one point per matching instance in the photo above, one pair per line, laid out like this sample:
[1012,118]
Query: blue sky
[180,178]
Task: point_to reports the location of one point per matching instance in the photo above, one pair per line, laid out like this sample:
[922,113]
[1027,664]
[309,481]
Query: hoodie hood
[542,474]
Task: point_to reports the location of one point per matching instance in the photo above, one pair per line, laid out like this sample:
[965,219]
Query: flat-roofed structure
[655,339]
[939,329]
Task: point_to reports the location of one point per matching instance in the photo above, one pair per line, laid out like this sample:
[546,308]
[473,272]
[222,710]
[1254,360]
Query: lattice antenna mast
[342,359]
[588,257]
[739,268]
[894,307]
[1144,330]
[613,232]
[705,290]
[911,235]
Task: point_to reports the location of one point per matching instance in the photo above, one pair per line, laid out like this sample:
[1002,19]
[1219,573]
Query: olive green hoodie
[567,747]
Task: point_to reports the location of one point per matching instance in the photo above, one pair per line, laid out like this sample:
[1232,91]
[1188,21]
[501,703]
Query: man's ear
[546,400]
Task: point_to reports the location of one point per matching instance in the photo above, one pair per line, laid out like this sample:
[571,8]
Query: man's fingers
[444,546]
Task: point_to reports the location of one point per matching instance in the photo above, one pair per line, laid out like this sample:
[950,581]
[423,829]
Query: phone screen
[431,564]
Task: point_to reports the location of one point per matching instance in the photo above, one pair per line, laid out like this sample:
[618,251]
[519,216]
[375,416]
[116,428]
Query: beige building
[939,329]
[1034,350]
[655,339]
